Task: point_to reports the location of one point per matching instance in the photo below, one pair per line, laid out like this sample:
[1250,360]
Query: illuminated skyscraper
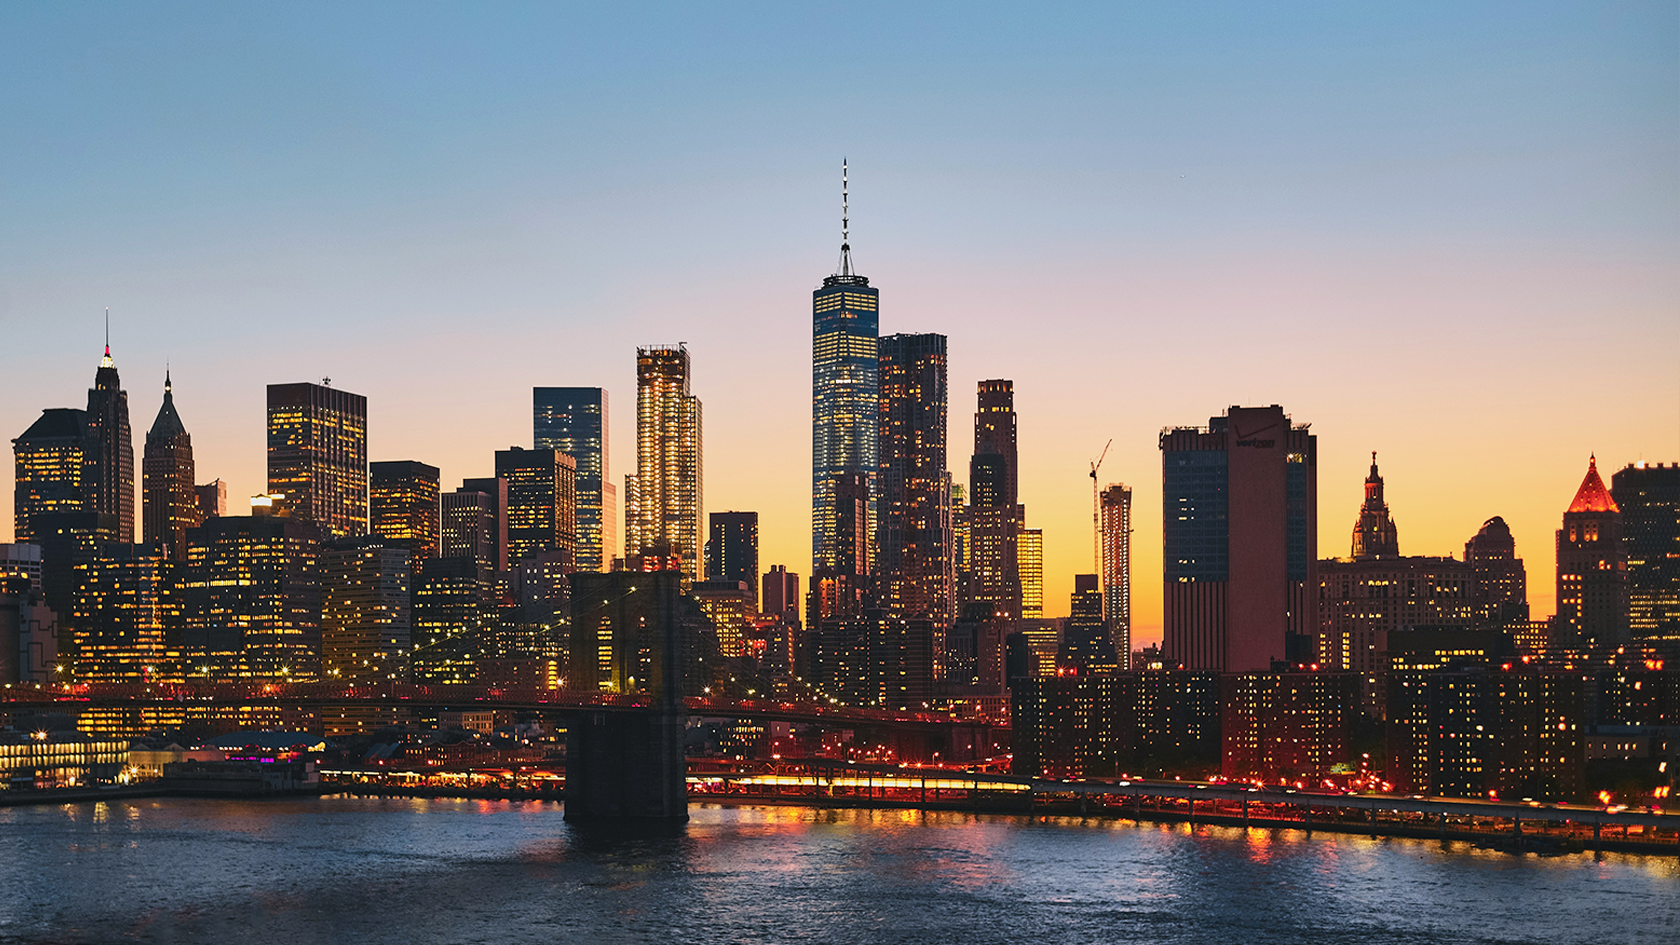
[541,503]
[1086,646]
[1029,553]
[50,467]
[1116,521]
[1649,496]
[403,508]
[251,596]
[732,551]
[109,457]
[994,515]
[663,499]
[1374,534]
[471,526]
[917,579]
[1592,568]
[126,616]
[170,505]
[1239,511]
[317,455]
[845,387]
[573,420]
[365,608]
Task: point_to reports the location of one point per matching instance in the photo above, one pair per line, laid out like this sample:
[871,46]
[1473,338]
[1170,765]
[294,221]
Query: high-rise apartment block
[994,513]
[1115,505]
[541,503]
[732,551]
[1592,568]
[916,579]
[170,497]
[1086,646]
[1239,510]
[317,455]
[109,457]
[663,499]
[573,420]
[1649,496]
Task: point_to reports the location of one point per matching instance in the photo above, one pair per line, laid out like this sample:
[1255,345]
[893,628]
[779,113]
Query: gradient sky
[1447,232]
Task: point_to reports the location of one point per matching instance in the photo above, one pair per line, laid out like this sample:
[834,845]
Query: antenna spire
[106,361]
[845,222]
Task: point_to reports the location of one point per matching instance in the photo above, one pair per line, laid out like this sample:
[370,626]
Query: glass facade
[573,420]
[1194,513]
[317,455]
[845,394]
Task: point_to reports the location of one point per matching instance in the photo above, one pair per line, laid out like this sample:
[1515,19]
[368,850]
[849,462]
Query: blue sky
[1448,232]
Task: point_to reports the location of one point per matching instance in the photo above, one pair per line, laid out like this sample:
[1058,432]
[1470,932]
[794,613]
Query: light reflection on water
[432,870]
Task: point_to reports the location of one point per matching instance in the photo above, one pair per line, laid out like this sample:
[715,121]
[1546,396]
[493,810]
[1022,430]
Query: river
[362,870]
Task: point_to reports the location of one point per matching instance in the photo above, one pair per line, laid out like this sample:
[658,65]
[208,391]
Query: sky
[1447,232]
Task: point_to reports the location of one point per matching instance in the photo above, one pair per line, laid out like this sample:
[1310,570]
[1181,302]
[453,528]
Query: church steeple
[1374,535]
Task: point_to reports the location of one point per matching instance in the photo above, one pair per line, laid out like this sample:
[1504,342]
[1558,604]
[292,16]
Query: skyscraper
[109,457]
[917,579]
[170,504]
[1649,497]
[365,608]
[573,420]
[403,508]
[1029,552]
[845,387]
[994,521]
[471,526]
[1592,568]
[1501,594]
[1116,522]
[251,596]
[1086,646]
[212,499]
[1240,549]
[317,455]
[781,593]
[541,503]
[126,616]
[1374,534]
[663,499]
[497,490]
[50,470]
[732,551]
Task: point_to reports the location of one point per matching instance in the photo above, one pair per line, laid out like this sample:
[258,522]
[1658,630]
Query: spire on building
[168,422]
[106,361]
[845,223]
[1374,535]
[1592,496]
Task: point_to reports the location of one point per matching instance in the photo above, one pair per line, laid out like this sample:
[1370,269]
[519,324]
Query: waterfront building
[317,455]
[170,498]
[541,503]
[1501,594]
[875,661]
[994,512]
[732,551]
[1592,569]
[845,392]
[57,759]
[1142,723]
[108,459]
[1115,504]
[1239,511]
[50,470]
[662,501]
[1648,495]
[1086,646]
[1029,555]
[573,420]
[913,506]
[212,499]
[1485,731]
[127,616]
[251,597]
[365,608]
[403,507]
[1287,725]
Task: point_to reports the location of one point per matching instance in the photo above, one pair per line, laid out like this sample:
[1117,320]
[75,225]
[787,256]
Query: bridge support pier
[626,765]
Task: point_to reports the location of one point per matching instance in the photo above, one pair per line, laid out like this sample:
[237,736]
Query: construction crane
[1096,513]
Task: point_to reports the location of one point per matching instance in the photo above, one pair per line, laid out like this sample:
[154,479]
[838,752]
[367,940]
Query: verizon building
[1239,526]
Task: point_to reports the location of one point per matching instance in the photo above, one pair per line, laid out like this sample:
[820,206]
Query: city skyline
[1225,238]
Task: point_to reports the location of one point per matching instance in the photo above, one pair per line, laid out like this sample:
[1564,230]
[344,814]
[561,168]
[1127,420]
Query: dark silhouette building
[732,551]
[170,497]
[993,494]
[1374,534]
[915,578]
[573,420]
[1501,595]
[1087,648]
[109,456]
[1648,495]
[1239,516]
[50,470]
[317,455]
